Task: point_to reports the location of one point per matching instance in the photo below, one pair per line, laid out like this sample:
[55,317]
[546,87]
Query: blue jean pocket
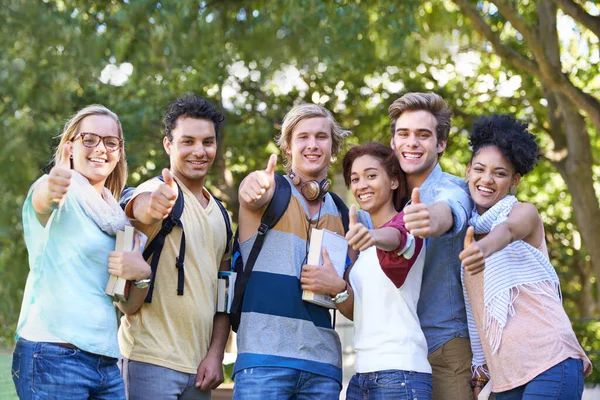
[390,379]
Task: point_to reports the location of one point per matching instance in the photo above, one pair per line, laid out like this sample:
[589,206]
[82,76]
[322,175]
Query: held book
[118,288]
[486,391]
[337,248]
[225,291]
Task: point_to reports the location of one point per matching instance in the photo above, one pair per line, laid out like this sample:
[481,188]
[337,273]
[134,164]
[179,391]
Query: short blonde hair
[302,112]
[432,102]
[117,178]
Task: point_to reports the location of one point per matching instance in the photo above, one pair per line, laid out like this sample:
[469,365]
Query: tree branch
[579,14]
[486,31]
[541,68]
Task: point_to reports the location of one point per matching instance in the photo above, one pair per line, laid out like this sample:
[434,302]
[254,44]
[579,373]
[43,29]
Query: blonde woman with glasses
[67,332]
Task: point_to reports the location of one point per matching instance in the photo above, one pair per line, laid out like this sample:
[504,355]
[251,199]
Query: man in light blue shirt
[438,211]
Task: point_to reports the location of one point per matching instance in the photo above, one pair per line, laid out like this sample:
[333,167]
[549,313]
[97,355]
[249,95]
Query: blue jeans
[564,381]
[43,370]
[283,383]
[390,384]
[148,381]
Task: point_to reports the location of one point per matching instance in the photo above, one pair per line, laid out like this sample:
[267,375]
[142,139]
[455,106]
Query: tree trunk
[575,168]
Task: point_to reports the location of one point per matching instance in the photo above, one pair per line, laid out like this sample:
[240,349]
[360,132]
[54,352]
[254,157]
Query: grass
[7,389]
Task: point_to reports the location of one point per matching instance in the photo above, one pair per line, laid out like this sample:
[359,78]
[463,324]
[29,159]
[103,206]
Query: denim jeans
[564,381]
[148,381]
[283,383]
[43,370]
[390,384]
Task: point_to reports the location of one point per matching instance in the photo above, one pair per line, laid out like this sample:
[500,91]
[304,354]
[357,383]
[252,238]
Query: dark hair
[388,161]
[431,102]
[191,106]
[509,136]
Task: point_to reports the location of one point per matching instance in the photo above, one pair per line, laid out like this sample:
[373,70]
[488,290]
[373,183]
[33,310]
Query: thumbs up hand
[417,217]
[164,197]
[472,257]
[59,178]
[257,183]
[359,237]
[129,265]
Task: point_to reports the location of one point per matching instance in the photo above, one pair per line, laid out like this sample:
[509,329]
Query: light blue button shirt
[68,261]
[441,307]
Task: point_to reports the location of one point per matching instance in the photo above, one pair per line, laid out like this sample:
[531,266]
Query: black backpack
[154,248]
[279,203]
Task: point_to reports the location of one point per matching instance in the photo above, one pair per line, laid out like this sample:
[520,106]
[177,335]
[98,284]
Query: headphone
[312,189]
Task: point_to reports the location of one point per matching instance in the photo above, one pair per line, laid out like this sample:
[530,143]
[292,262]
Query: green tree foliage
[255,59]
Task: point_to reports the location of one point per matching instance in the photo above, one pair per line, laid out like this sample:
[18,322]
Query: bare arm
[347,307]
[49,193]
[130,265]
[441,218]
[210,370]
[150,208]
[523,223]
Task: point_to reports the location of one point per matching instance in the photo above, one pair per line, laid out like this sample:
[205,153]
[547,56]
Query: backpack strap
[275,210]
[343,209]
[227,223]
[156,245]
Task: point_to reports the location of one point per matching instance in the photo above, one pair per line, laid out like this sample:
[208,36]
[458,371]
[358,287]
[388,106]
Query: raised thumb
[415,197]
[353,215]
[271,164]
[469,237]
[65,156]
[168,177]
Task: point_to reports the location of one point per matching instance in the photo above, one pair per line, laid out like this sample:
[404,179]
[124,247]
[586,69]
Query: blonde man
[287,348]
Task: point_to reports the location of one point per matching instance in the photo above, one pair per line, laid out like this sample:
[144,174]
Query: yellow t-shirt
[174,331]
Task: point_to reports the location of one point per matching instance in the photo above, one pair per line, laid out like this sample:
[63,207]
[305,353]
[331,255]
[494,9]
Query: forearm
[41,201]
[347,307]
[134,300]
[220,334]
[140,209]
[387,238]
[441,218]
[496,240]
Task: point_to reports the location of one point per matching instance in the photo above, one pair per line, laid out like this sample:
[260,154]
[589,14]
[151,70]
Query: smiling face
[371,186]
[415,144]
[96,163]
[310,148]
[490,177]
[192,150]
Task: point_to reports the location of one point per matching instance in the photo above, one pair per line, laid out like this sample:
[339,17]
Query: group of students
[447,280]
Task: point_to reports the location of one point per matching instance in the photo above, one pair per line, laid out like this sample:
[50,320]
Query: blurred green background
[537,60]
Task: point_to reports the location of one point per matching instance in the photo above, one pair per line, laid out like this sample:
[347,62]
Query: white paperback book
[120,289]
[337,249]
[486,391]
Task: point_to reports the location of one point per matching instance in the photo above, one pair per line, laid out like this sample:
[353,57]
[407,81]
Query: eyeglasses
[91,140]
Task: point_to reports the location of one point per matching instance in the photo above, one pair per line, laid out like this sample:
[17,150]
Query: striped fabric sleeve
[396,264]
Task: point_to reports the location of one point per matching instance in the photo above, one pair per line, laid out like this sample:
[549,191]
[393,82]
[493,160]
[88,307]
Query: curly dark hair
[191,106]
[389,162]
[510,137]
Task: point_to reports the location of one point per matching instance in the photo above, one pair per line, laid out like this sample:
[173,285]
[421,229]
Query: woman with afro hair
[521,336]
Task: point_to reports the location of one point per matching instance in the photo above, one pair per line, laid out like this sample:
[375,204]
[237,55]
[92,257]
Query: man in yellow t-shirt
[173,346]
